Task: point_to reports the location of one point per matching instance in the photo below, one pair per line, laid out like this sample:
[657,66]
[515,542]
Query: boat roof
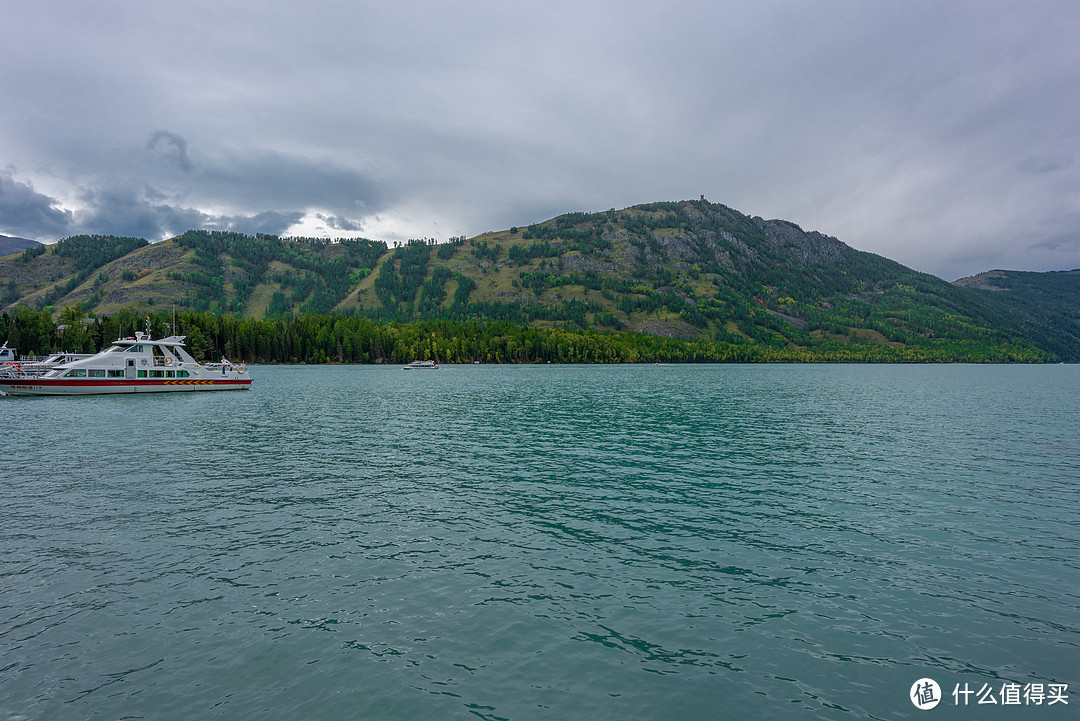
[174,340]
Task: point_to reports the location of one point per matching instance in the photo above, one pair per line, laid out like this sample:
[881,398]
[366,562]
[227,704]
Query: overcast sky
[944,135]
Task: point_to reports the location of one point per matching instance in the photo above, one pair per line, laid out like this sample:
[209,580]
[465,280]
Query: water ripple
[529,542]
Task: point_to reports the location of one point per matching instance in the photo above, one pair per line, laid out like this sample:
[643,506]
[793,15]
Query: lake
[547,542]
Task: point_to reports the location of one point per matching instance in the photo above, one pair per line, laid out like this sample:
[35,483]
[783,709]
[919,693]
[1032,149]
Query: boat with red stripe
[137,364]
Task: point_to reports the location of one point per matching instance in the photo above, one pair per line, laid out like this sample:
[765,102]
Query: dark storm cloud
[121,210]
[939,134]
[28,213]
[134,212]
[262,191]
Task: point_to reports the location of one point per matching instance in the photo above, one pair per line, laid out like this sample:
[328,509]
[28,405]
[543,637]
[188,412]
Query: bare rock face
[668,329]
[807,248]
[577,263]
[797,322]
[706,238]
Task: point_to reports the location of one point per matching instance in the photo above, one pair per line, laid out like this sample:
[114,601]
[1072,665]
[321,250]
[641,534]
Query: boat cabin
[134,357]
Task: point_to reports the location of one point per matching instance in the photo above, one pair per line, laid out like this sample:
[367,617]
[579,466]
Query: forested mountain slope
[689,270]
[1042,306]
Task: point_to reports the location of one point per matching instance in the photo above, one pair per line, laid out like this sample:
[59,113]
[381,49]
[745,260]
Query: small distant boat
[422,365]
[136,364]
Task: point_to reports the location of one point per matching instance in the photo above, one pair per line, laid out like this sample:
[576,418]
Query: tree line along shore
[336,338]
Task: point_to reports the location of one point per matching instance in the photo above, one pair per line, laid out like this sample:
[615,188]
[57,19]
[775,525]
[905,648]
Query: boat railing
[37,366]
[226,366]
[23,370]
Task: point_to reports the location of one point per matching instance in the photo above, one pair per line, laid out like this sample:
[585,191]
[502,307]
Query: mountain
[689,270]
[1044,307]
[10,244]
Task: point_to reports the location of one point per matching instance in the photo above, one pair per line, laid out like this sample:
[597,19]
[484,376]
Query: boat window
[170,374]
[96,373]
[76,373]
[135,349]
[182,374]
[116,373]
[142,374]
[156,374]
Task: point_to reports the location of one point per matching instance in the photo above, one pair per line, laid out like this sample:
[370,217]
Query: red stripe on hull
[85,386]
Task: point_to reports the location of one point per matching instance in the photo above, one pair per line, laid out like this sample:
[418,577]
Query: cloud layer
[942,136]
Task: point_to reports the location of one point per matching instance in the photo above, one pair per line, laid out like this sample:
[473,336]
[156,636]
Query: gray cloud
[1045,164]
[172,146]
[338,222]
[271,221]
[941,135]
[274,179]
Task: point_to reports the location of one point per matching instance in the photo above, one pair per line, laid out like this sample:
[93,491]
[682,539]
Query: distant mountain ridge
[691,270]
[10,244]
[1042,306]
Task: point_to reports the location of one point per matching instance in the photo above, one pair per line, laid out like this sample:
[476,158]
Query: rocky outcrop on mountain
[669,329]
[811,248]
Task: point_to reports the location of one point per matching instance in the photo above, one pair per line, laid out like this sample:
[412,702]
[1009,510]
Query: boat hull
[93,386]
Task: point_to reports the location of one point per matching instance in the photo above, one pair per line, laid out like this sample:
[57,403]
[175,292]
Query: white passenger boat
[130,365]
[418,365]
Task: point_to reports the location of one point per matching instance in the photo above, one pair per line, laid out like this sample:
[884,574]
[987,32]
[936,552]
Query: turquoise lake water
[545,542]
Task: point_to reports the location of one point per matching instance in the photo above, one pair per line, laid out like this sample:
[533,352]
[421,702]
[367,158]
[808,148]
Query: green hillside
[1044,307]
[692,271]
[199,270]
